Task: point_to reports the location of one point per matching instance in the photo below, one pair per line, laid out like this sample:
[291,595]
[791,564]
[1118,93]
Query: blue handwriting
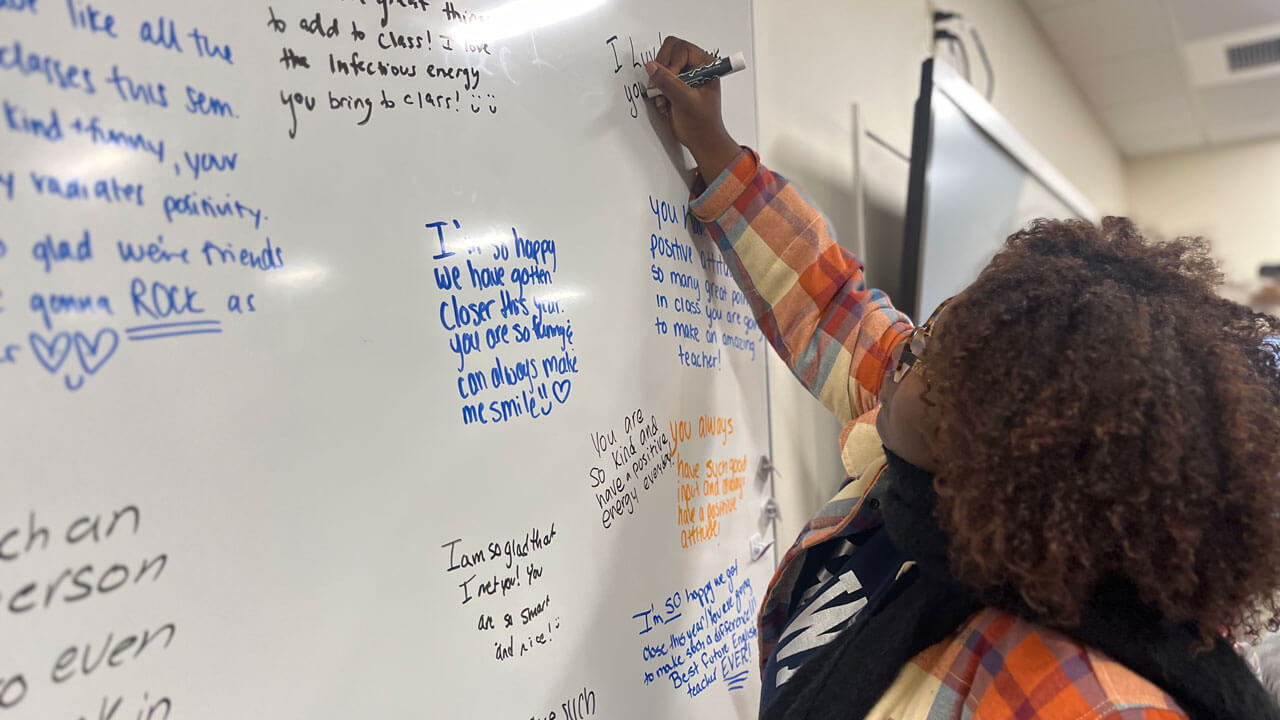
[19,121]
[481,312]
[208,162]
[51,353]
[174,329]
[84,16]
[109,189]
[47,305]
[669,248]
[163,34]
[64,77]
[535,404]
[50,252]
[99,135]
[154,252]
[160,300]
[715,640]
[535,250]
[130,90]
[92,353]
[269,258]
[206,206]
[19,5]
[714,264]
[198,103]
[671,214]
[206,48]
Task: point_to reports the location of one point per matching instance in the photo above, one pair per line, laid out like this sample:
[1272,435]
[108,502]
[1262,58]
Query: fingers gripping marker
[703,74]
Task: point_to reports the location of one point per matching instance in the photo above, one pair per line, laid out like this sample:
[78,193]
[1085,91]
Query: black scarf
[926,605]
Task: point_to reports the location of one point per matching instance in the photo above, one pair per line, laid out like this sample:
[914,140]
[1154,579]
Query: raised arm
[807,293]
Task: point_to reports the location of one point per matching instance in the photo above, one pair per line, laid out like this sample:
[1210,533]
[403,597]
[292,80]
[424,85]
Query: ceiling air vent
[1244,56]
[1254,54]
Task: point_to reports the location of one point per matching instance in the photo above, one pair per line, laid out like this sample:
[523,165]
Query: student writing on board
[1062,485]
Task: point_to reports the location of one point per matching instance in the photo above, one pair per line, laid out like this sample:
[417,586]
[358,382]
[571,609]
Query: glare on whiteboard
[560,295]
[298,276]
[98,162]
[479,242]
[521,16]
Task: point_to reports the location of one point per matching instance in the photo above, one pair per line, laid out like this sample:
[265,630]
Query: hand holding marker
[693,111]
[705,73]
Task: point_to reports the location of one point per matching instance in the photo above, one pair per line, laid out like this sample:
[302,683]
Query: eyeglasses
[914,348]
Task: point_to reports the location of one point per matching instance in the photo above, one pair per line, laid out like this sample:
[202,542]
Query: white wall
[1035,93]
[815,59]
[1230,195]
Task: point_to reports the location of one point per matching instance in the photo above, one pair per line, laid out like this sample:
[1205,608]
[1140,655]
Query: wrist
[714,155]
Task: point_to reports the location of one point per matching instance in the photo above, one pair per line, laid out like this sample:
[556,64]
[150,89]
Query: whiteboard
[359,361]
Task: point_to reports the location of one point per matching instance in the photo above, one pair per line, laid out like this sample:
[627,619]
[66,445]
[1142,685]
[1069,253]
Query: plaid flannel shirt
[812,303]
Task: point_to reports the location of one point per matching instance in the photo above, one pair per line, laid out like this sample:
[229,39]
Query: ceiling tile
[1226,104]
[1131,60]
[1145,141]
[1168,113]
[1203,18]
[1096,29]
[1207,58]
[1241,130]
[1039,6]
[1149,75]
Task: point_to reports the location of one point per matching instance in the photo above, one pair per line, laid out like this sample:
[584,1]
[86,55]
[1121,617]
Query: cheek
[888,392]
[885,413]
[908,406]
[889,388]
[888,433]
[901,416]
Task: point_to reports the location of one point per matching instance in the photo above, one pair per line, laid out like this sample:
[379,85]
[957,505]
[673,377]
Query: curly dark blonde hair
[1105,413]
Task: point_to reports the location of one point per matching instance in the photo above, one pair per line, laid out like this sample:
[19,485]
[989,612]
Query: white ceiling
[1154,72]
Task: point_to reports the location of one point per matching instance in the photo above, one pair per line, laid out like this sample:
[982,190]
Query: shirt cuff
[711,201]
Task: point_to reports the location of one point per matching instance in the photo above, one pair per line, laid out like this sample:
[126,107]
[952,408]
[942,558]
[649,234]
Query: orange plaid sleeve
[807,293]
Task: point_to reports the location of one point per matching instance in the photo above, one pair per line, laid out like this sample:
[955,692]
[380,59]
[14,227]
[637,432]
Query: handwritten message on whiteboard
[362,358]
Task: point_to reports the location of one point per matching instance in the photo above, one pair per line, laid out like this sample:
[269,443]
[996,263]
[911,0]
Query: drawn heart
[51,354]
[560,389]
[93,353]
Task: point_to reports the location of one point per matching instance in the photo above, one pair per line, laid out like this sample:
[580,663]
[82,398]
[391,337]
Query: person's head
[1092,408]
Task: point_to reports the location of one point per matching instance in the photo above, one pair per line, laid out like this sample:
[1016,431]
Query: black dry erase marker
[706,73]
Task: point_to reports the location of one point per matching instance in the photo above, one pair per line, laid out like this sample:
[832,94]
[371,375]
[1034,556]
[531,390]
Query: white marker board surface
[359,361]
